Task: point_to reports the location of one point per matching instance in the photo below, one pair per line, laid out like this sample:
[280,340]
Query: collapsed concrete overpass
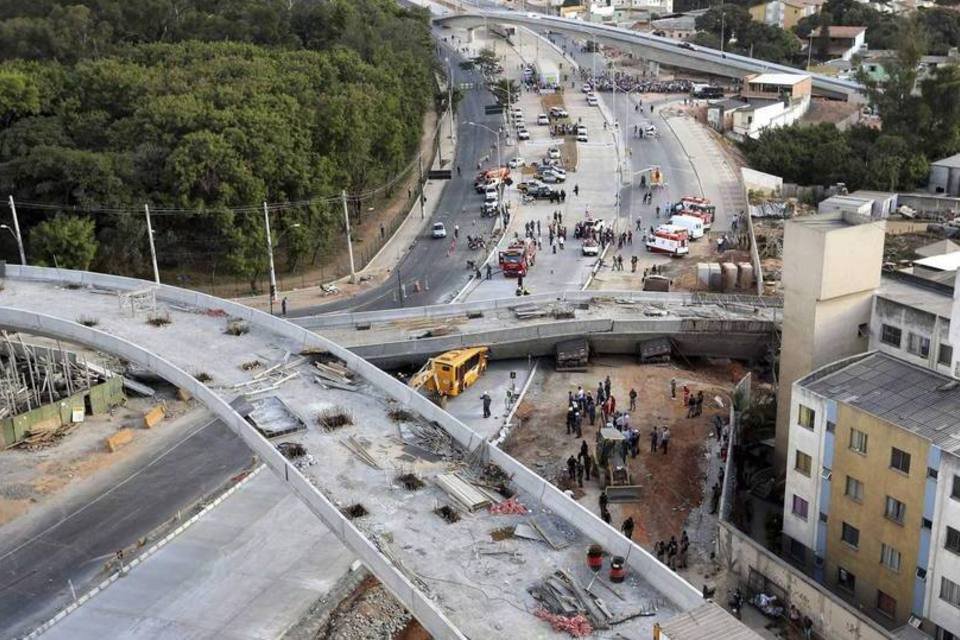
[658,49]
[615,322]
[437,570]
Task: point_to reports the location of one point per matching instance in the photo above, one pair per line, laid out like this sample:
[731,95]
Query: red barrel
[595,558]
[617,572]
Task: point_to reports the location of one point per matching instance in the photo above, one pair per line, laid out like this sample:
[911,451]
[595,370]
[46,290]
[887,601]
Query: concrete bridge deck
[452,577]
[730,326]
[655,48]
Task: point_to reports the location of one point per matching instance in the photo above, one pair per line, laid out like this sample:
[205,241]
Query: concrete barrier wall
[832,617]
[675,588]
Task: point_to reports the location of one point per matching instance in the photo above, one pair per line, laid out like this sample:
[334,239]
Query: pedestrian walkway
[247,570]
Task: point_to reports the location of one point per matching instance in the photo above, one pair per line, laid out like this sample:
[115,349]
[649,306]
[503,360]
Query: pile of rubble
[373,614]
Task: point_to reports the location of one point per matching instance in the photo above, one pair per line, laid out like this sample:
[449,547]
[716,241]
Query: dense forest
[202,108]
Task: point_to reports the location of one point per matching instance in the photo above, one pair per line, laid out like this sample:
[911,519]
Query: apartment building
[785,13]
[872,502]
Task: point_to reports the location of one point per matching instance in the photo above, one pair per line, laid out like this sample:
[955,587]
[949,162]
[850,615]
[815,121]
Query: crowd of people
[628,82]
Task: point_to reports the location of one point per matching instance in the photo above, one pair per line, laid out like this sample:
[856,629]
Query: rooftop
[911,397]
[952,162]
[788,79]
[942,262]
[830,221]
[706,621]
[841,32]
[938,248]
[916,293]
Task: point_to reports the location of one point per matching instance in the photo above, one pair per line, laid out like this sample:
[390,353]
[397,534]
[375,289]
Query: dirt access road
[673,484]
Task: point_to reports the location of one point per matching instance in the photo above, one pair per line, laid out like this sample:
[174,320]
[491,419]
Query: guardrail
[668,583]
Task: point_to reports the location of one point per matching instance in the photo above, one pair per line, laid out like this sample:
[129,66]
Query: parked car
[543,119]
[549,177]
[523,134]
[592,100]
[516,162]
[553,153]
[558,112]
[438,231]
[558,171]
[590,247]
[582,137]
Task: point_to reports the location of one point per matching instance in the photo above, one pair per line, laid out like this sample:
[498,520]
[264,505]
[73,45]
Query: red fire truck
[517,259]
[699,207]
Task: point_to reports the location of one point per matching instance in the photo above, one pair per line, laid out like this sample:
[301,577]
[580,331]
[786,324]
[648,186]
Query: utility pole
[722,26]
[346,221]
[273,272]
[419,195]
[153,248]
[16,230]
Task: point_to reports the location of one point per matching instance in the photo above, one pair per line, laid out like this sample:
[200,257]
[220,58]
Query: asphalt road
[427,261]
[74,542]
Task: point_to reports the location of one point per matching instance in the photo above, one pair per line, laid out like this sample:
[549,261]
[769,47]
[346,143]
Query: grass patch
[237,327]
[501,534]
[449,514]
[159,319]
[88,321]
[410,481]
[334,418]
[355,511]
[400,415]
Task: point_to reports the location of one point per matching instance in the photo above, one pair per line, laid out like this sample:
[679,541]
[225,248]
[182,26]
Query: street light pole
[153,248]
[273,272]
[16,231]
[346,221]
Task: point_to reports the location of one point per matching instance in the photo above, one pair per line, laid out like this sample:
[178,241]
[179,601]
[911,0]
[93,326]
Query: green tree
[66,241]
[19,97]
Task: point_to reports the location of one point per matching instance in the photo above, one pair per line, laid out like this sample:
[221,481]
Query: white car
[523,134]
[516,162]
[543,119]
[553,153]
[582,137]
[590,247]
[558,112]
[592,100]
[438,231]
[560,173]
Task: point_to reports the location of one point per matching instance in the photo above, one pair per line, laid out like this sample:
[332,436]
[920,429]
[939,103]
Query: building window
[932,473]
[950,591]
[800,507]
[863,330]
[899,460]
[945,355]
[894,510]
[850,535]
[854,489]
[845,579]
[918,345]
[858,441]
[803,463]
[807,416]
[926,523]
[886,605]
[953,540]
[831,426]
[955,492]
[890,557]
[890,335]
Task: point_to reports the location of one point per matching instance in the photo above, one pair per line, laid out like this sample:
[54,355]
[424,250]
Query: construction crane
[451,373]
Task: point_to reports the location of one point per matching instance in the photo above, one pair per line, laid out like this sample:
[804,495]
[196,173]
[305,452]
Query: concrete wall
[911,320]
[668,583]
[810,442]
[766,183]
[943,563]
[832,617]
[879,481]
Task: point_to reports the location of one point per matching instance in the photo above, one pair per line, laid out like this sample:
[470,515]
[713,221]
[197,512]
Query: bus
[451,373]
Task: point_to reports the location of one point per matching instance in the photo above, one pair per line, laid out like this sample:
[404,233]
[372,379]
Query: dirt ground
[28,478]
[672,483]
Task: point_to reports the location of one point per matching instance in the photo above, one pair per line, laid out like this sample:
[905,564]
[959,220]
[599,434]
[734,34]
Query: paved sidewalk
[247,570]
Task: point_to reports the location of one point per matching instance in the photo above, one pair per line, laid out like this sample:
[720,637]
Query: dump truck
[451,373]
[517,258]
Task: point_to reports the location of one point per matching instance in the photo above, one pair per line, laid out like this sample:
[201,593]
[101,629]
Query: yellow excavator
[450,373]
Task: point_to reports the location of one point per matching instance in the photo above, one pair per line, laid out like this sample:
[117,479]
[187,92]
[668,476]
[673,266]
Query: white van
[692,224]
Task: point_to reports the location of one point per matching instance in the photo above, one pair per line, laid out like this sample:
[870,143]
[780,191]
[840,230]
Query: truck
[693,224]
[700,207]
[517,258]
[670,239]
